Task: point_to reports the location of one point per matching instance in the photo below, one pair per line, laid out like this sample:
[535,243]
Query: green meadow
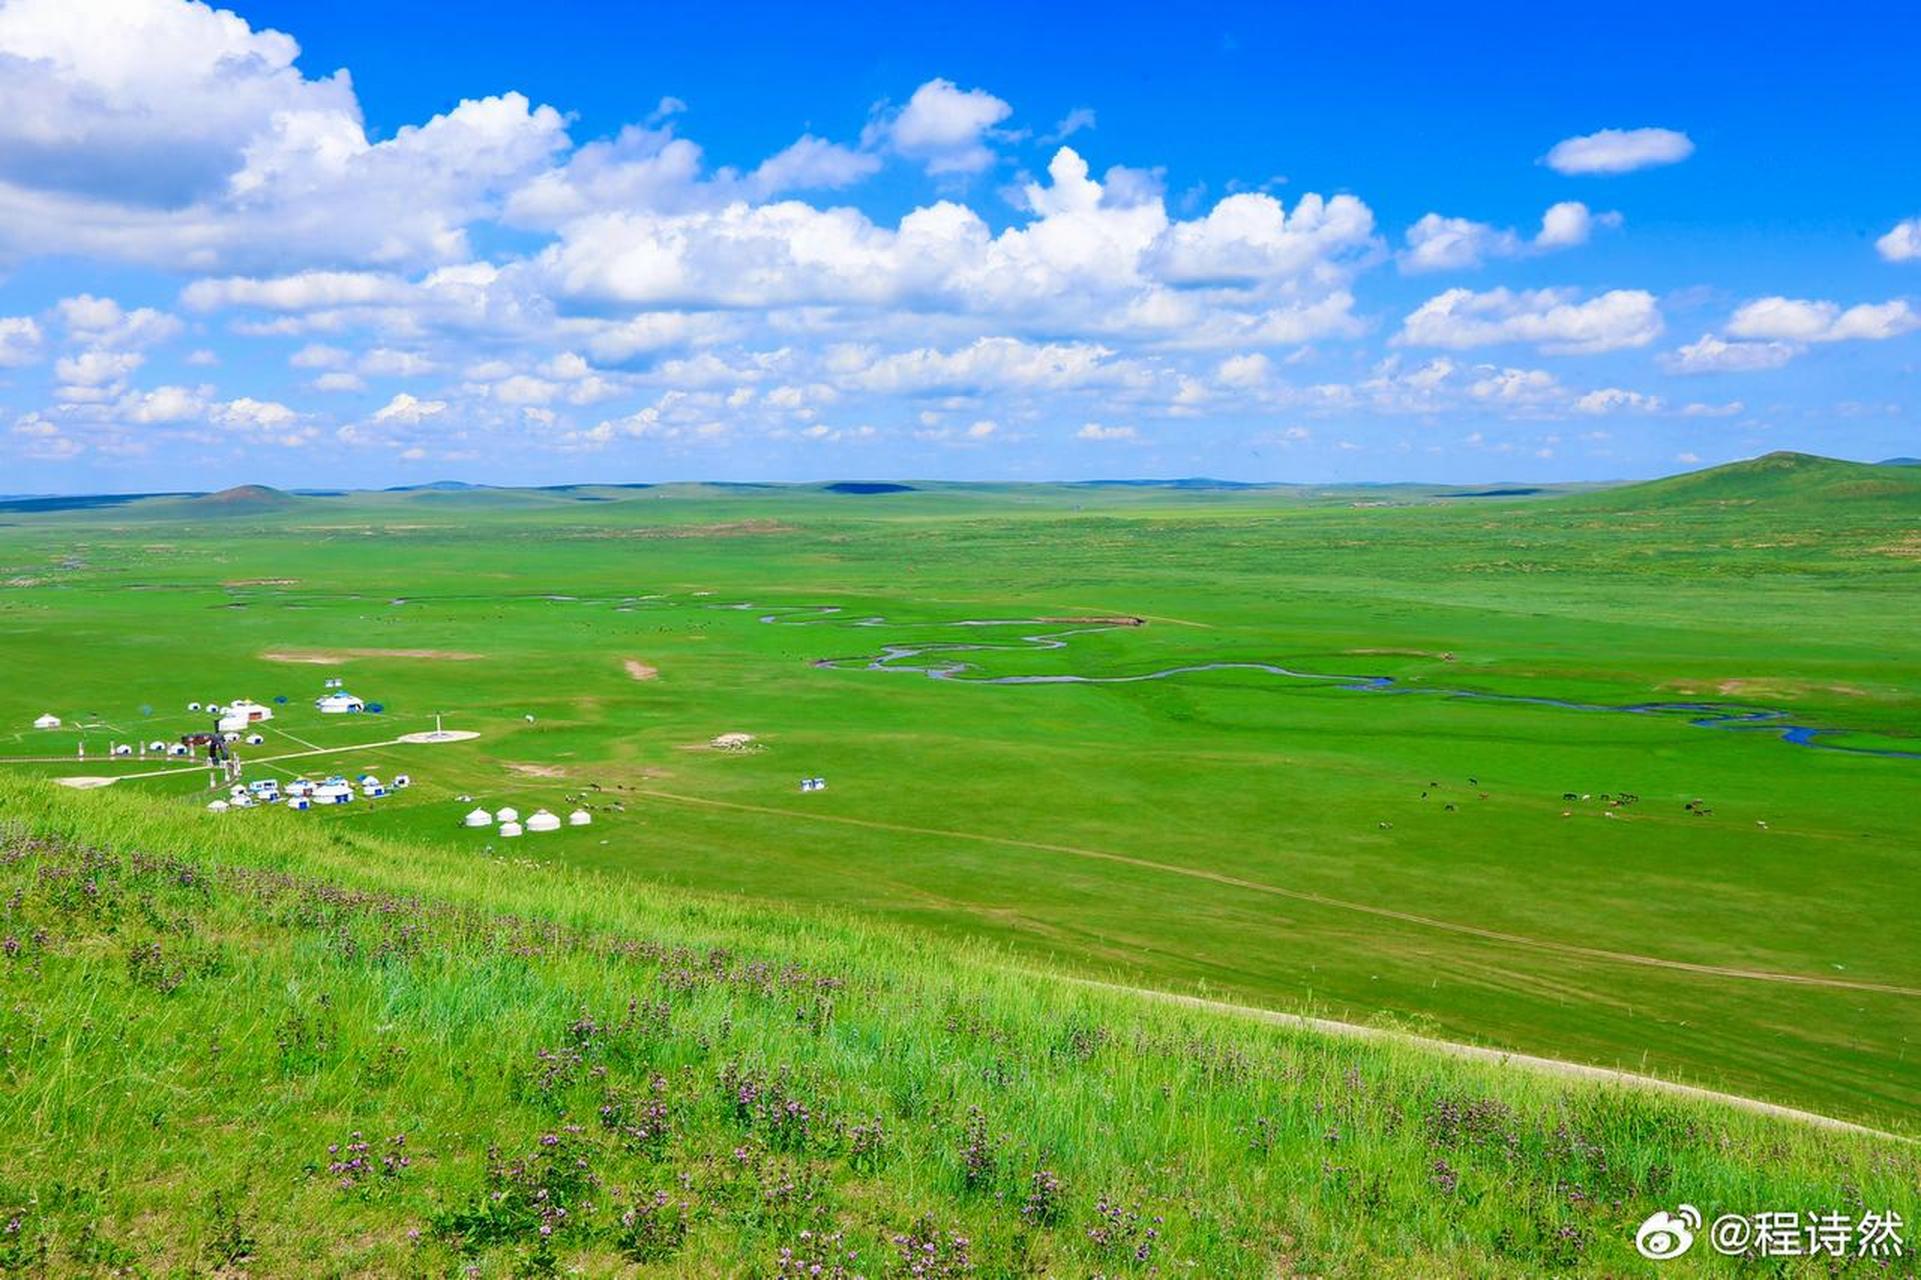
[1402,856]
[302,1050]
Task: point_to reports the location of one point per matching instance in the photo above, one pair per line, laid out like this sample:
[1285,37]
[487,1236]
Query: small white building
[510,829]
[218,806]
[508,814]
[122,749]
[339,703]
[247,711]
[373,790]
[193,706]
[479,818]
[177,749]
[48,721]
[579,818]
[299,802]
[541,820]
[402,781]
[333,793]
[300,787]
[255,739]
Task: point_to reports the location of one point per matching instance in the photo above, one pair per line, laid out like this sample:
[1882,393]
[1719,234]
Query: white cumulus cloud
[1619,151]
[1555,320]
[1902,243]
[944,127]
[1801,320]
[409,410]
[20,340]
[1438,243]
[1710,354]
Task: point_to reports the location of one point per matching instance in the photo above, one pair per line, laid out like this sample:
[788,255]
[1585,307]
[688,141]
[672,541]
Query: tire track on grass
[1482,1053]
[1569,949]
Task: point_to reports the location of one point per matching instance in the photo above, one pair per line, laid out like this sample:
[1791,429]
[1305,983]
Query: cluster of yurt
[302,794]
[511,825]
[813,784]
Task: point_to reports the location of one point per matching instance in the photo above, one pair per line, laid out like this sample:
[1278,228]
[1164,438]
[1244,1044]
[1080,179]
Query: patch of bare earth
[328,657]
[1906,547]
[640,670]
[1096,620]
[1762,687]
[537,770]
[1400,653]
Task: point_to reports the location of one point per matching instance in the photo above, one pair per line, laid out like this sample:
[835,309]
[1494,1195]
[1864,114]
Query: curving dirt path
[1548,945]
[1481,1053]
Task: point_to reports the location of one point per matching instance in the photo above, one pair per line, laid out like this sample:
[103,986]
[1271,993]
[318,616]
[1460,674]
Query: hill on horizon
[242,499]
[1781,476]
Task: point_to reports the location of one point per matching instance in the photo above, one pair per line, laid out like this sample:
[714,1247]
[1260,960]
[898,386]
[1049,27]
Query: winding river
[943,660]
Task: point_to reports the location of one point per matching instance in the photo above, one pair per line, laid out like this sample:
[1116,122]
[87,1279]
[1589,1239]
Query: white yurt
[255,739]
[299,802]
[510,829]
[579,818]
[218,806]
[48,721]
[508,814]
[541,820]
[156,746]
[122,749]
[193,706]
[402,780]
[479,818]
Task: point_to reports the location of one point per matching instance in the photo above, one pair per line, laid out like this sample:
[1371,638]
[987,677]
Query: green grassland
[1384,858]
[302,1049]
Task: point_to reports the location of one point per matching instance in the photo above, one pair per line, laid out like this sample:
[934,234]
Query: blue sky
[371,244]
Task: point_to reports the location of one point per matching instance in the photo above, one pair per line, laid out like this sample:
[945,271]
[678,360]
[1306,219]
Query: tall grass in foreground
[248,1044]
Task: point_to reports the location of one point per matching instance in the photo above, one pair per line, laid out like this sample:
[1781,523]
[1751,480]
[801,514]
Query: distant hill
[1781,477]
[1899,462]
[79,501]
[1185,482]
[860,487]
[244,499]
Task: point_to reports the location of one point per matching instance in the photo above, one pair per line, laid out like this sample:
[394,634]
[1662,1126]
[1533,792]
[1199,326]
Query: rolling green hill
[1781,478]
[287,1051]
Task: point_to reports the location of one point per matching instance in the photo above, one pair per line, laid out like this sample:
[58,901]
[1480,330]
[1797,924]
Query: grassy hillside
[299,1051]
[1780,478]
